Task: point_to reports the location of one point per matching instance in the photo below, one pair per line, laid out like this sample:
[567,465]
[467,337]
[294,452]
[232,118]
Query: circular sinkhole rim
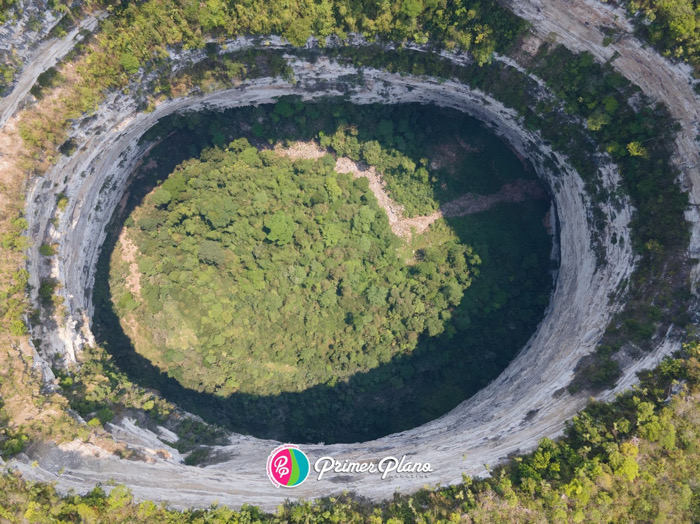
[116,223]
[485,427]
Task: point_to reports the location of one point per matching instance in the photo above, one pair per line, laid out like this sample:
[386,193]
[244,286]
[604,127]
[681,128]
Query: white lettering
[326,464]
[280,464]
[386,466]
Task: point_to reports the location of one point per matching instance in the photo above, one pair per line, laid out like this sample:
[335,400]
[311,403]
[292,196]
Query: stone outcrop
[517,409]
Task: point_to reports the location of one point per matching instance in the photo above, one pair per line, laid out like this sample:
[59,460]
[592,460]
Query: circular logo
[287,466]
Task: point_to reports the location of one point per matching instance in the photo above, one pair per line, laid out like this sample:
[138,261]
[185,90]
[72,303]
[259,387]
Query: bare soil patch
[404,227]
[128,253]
[301,150]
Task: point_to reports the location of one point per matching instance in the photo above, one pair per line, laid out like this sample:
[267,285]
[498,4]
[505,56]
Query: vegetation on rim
[591,477]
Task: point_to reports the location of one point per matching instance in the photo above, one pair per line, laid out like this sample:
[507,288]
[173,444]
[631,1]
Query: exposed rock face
[27,22]
[25,42]
[579,26]
[509,415]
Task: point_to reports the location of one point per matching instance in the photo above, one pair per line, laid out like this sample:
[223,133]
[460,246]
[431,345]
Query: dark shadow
[498,314]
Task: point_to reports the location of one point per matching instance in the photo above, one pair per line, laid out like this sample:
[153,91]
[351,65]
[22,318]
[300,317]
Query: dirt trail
[394,210]
[301,151]
[402,225]
[469,203]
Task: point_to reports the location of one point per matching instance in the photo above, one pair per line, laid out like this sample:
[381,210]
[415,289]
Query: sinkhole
[323,271]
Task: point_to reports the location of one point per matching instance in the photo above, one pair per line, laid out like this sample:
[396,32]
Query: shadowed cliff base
[494,320]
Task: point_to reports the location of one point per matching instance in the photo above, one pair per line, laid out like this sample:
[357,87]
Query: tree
[211,252]
[130,63]
[372,152]
[280,228]
[637,149]
[411,8]
[680,17]
[597,120]
[376,295]
[362,221]
[161,197]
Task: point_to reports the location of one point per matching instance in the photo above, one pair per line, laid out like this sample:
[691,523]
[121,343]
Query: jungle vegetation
[447,359]
[635,459]
[672,26]
[260,274]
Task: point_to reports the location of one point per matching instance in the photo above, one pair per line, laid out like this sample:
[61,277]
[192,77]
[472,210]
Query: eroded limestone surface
[511,414]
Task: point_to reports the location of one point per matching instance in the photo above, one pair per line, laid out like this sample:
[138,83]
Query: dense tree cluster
[264,275]
[672,26]
[473,25]
[491,323]
[635,459]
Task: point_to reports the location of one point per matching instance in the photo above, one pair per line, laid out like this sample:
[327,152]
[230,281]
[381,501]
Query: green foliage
[5,6]
[127,303]
[197,456]
[280,228]
[7,73]
[13,303]
[61,202]
[477,26]
[130,63]
[17,327]
[641,141]
[47,250]
[12,443]
[161,197]
[478,333]
[46,80]
[670,25]
[97,391]
[194,435]
[14,239]
[46,290]
[301,293]
[211,252]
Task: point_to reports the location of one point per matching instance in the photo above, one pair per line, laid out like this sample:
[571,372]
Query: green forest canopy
[262,275]
[492,322]
[673,26]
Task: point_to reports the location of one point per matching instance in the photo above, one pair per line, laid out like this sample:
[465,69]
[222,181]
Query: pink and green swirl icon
[287,466]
